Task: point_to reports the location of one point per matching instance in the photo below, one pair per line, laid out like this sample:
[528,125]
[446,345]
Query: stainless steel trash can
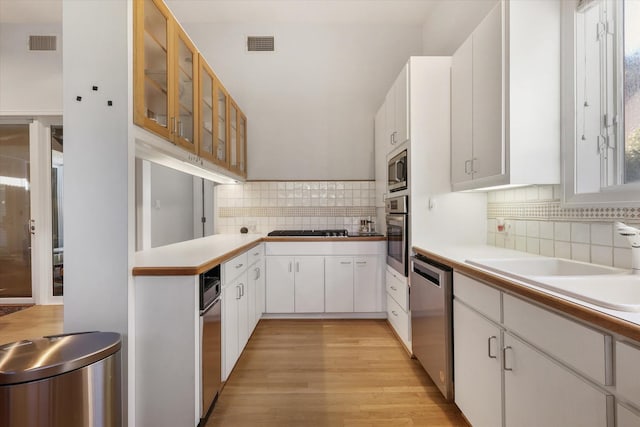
[70,380]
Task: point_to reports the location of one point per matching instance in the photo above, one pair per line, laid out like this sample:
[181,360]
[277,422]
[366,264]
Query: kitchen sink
[618,292]
[604,286]
[542,266]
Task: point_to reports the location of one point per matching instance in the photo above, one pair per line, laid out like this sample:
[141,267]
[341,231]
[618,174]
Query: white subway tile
[521,243]
[521,228]
[491,196]
[580,252]
[545,192]
[492,225]
[499,196]
[602,234]
[491,239]
[562,249]
[521,194]
[546,247]
[546,229]
[532,193]
[509,241]
[533,245]
[498,240]
[580,232]
[533,229]
[622,258]
[509,196]
[602,255]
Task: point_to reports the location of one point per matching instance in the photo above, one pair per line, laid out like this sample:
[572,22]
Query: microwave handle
[400,167]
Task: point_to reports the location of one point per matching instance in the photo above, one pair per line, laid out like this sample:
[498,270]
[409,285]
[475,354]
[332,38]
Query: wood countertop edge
[603,320]
[195,270]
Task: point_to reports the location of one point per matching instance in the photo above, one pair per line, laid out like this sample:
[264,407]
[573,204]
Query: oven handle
[209,307]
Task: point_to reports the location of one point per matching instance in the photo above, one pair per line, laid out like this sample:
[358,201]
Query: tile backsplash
[270,205]
[535,222]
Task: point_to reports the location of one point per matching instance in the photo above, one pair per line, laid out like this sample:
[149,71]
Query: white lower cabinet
[539,392]
[338,289]
[519,369]
[478,373]
[295,284]
[257,279]
[367,284]
[235,325]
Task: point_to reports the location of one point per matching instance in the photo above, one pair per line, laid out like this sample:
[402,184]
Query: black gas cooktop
[310,233]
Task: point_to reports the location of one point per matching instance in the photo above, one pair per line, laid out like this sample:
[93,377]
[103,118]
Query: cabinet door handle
[345,262]
[238,293]
[257,270]
[394,313]
[489,347]
[239,265]
[241,289]
[297,267]
[394,288]
[504,358]
[473,165]
[391,141]
[256,254]
[467,163]
[289,267]
[180,128]
[361,262]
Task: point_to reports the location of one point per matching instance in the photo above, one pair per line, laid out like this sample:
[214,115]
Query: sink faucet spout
[633,235]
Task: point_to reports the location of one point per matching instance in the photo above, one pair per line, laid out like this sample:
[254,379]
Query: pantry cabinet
[396,105]
[505,95]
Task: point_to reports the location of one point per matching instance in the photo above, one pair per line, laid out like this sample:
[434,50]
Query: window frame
[610,195]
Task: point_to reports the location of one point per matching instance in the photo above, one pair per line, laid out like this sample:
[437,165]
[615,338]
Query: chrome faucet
[633,235]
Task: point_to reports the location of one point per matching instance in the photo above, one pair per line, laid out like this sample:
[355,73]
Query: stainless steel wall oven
[397,209]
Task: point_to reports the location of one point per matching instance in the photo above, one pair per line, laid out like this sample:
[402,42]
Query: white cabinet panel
[627,418]
[259,278]
[627,372]
[381,151]
[338,289]
[487,96]
[539,392]
[399,319]
[462,112]
[234,267]
[309,284]
[230,308]
[243,312]
[477,357]
[367,285]
[255,254]
[481,297]
[280,285]
[401,89]
[398,288]
[557,336]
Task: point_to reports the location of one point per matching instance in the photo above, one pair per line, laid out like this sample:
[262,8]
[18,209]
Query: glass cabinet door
[185,96]
[152,66]
[220,130]
[242,144]
[233,136]
[206,111]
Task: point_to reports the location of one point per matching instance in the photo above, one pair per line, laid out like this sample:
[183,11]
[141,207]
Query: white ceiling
[303,11]
[251,11]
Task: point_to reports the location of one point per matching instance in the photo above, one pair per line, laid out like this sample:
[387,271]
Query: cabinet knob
[239,265]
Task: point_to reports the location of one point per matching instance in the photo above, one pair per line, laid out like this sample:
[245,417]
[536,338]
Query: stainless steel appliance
[310,233]
[397,173]
[69,380]
[397,209]
[210,341]
[430,302]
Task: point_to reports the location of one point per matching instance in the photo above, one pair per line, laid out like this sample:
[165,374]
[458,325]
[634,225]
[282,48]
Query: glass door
[221,125]
[206,111]
[57,231]
[242,144]
[233,136]
[186,94]
[15,212]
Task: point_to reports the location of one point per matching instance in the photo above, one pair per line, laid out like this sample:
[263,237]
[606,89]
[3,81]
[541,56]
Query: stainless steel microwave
[397,173]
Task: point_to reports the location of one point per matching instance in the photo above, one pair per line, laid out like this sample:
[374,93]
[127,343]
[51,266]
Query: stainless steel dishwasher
[430,302]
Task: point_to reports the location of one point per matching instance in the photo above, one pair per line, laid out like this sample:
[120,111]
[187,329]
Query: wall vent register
[260,44]
[42,42]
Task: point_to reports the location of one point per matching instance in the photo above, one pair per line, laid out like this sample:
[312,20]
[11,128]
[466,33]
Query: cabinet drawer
[255,254]
[481,297]
[398,289]
[626,418]
[234,267]
[627,373]
[584,349]
[399,319]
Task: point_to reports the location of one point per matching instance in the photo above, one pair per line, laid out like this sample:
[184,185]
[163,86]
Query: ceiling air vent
[260,44]
[42,42]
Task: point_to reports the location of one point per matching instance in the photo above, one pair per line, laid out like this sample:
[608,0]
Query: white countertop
[193,254]
[461,253]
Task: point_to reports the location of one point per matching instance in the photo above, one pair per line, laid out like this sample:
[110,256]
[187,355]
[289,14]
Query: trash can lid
[40,358]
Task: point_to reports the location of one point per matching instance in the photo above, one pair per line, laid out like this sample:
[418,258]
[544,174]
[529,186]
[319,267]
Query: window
[602,118]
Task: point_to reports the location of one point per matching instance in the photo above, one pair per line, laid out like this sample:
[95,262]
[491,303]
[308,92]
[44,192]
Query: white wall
[450,23]
[310,105]
[171,206]
[30,82]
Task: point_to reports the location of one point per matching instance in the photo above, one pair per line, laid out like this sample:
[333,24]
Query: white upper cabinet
[397,110]
[505,113]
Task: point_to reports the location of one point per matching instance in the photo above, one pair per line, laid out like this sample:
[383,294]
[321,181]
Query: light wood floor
[329,373]
[32,322]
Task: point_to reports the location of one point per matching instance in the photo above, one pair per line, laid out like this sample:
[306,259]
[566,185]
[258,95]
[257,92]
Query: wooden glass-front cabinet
[178,96]
[213,113]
